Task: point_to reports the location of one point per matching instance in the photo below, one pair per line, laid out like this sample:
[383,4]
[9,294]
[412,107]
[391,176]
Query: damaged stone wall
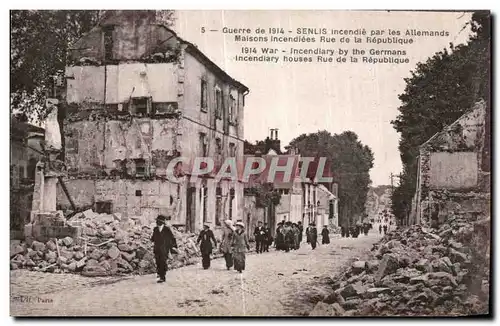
[114,146]
[113,155]
[135,34]
[112,84]
[450,170]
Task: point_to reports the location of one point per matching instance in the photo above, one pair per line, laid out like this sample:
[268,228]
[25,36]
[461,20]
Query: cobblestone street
[274,284]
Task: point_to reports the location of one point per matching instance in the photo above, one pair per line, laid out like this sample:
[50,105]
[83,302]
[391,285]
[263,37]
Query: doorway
[190,209]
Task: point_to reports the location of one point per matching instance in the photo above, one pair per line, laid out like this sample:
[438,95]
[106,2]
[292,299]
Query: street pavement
[273,284]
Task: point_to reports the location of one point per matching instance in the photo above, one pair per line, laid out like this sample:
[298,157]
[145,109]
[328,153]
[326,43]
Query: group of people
[289,235]
[380,229]
[234,243]
[355,230]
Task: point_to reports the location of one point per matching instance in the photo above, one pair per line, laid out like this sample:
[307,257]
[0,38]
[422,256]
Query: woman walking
[226,243]
[280,240]
[206,237]
[240,245]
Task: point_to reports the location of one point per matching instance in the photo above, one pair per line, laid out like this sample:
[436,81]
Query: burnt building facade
[138,97]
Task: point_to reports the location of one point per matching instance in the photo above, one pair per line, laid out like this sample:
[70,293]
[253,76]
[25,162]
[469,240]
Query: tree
[438,92]
[39,43]
[265,193]
[349,163]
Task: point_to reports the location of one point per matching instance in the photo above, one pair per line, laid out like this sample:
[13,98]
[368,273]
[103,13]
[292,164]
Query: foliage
[265,195]
[349,163]
[438,92]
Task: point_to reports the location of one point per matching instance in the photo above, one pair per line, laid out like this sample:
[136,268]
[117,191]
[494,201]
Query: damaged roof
[161,38]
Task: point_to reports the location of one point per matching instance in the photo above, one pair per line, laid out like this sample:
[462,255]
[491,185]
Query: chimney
[276,133]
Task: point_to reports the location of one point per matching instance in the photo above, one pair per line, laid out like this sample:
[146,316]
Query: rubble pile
[417,272]
[109,245]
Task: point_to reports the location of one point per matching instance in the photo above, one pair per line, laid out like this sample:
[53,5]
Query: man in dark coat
[164,242]
[301,231]
[268,238]
[206,237]
[325,235]
[279,239]
[260,236]
[288,235]
[312,235]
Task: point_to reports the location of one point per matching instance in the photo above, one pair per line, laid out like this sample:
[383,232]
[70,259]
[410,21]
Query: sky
[301,98]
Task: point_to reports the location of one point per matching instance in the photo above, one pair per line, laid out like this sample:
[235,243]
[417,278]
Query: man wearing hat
[164,242]
[312,234]
[206,237]
[268,238]
[260,235]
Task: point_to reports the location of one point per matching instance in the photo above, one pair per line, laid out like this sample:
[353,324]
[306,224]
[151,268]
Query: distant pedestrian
[296,232]
[301,231]
[240,246]
[268,238]
[164,243]
[288,236]
[226,243]
[312,234]
[325,235]
[380,229]
[206,238]
[385,229]
[279,239]
[260,234]
[366,228]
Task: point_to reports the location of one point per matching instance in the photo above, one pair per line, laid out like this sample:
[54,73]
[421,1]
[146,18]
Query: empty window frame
[232,109]
[140,105]
[218,206]
[108,42]
[219,100]
[231,200]
[232,150]
[203,145]
[204,95]
[140,167]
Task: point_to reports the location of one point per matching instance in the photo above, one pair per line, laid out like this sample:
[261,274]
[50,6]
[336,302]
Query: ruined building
[137,97]
[454,173]
[25,152]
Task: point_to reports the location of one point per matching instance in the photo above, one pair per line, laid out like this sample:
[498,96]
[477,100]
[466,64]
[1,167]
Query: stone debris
[418,272]
[110,245]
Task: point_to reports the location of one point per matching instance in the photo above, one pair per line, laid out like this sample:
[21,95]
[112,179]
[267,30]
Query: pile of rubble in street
[417,272]
[109,245]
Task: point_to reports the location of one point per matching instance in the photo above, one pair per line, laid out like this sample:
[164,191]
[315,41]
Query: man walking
[385,229]
[206,237]
[268,238]
[259,234]
[312,235]
[164,242]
